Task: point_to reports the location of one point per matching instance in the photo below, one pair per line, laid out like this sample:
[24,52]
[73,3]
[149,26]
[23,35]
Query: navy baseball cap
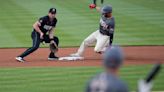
[113,57]
[52,10]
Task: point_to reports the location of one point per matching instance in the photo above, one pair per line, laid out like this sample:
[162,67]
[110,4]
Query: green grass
[138,22]
[68,79]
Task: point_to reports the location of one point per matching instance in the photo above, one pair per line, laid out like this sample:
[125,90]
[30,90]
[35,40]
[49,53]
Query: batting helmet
[106,9]
[113,57]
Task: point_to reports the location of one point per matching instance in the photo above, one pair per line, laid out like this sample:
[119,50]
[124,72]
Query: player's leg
[102,41]
[106,46]
[90,40]
[52,55]
[35,46]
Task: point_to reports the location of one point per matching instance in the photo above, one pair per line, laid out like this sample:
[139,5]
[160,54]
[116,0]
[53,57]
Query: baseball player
[43,31]
[103,36]
[108,81]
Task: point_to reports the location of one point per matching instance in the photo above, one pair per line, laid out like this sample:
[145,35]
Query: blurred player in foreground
[109,81]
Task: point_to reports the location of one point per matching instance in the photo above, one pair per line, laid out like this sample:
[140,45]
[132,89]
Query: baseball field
[139,30]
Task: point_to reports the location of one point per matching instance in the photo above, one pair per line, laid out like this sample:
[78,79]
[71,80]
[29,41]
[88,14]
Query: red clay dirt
[134,56]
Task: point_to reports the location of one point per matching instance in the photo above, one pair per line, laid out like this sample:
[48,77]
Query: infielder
[43,31]
[103,36]
[109,81]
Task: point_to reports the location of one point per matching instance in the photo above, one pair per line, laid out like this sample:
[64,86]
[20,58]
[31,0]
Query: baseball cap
[52,10]
[113,57]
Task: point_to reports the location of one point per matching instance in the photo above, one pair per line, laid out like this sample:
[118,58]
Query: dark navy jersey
[105,82]
[47,24]
[107,26]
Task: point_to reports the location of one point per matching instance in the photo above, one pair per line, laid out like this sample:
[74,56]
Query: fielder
[43,31]
[103,36]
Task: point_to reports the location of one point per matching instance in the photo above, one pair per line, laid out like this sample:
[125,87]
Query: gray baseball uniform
[107,26]
[106,82]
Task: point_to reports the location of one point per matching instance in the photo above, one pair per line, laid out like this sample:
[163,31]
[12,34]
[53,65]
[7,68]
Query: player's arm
[93,6]
[51,32]
[51,35]
[111,27]
[111,32]
[111,39]
[98,8]
[53,45]
[37,29]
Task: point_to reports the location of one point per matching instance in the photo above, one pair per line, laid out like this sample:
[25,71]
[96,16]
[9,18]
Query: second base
[71,58]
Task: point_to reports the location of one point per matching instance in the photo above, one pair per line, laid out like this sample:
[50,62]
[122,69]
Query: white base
[71,58]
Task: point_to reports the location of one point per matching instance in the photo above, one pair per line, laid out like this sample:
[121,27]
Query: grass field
[66,79]
[138,22]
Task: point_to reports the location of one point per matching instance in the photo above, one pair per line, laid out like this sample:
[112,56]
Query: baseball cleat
[50,58]
[20,59]
[75,55]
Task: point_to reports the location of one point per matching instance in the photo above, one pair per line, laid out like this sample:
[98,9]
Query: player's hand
[92,6]
[98,8]
[41,35]
[144,87]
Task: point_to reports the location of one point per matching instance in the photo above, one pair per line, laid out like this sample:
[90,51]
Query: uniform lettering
[47,27]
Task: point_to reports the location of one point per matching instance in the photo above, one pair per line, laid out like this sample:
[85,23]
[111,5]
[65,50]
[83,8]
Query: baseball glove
[53,47]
